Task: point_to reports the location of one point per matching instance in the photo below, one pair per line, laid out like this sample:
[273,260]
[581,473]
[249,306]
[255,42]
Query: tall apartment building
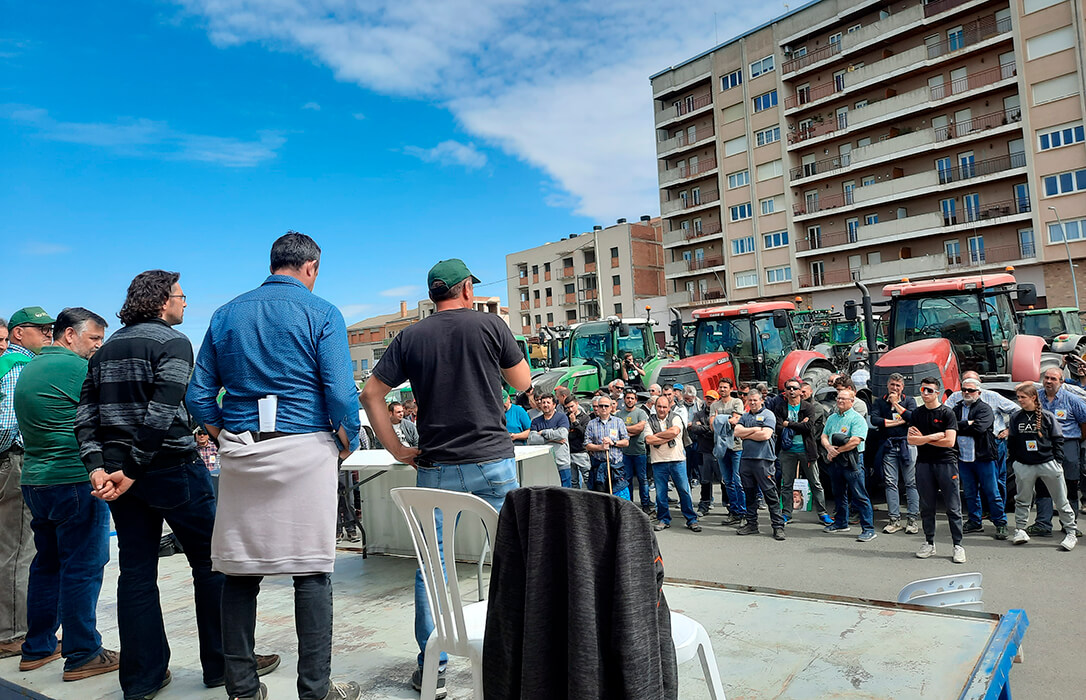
[369,337]
[584,277]
[875,140]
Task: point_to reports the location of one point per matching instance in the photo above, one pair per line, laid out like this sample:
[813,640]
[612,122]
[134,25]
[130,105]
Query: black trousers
[930,480]
[755,475]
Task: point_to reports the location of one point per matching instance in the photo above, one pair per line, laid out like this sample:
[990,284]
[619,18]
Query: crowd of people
[773,452]
[238,451]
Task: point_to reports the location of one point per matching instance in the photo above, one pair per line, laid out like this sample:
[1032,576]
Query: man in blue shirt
[756,428]
[277,504]
[517,422]
[843,439]
[551,428]
[1070,412]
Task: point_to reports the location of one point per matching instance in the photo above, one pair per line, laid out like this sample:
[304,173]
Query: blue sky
[188,135]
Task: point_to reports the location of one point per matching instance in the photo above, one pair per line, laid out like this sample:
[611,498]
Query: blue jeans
[977,478]
[182,497]
[71,533]
[848,484]
[637,465]
[677,472]
[729,474]
[899,462]
[566,477]
[1001,468]
[490,481]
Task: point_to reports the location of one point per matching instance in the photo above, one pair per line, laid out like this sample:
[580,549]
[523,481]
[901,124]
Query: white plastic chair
[458,628]
[962,591]
[691,640]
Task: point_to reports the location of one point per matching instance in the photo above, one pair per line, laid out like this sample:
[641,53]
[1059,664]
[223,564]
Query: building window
[538,321]
[742,246]
[776,275]
[525,320]
[535,294]
[618,309]
[761,67]
[871,219]
[736,145]
[740,211]
[738,179]
[1061,136]
[546,267]
[535,269]
[773,168]
[767,136]
[800,52]
[614,252]
[570,316]
[745,280]
[765,101]
[1075,230]
[733,79]
[769,205]
[616,280]
[1065,183]
[549,295]
[570,289]
[550,318]
[589,257]
[776,239]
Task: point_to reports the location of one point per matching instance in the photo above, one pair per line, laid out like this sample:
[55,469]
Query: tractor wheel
[817,376]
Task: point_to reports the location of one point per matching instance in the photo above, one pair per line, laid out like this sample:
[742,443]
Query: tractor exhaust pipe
[869,322]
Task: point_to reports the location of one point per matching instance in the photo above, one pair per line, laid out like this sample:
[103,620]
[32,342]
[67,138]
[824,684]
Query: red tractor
[748,342]
[943,327]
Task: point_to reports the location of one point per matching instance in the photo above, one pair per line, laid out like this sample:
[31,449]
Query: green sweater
[45,401]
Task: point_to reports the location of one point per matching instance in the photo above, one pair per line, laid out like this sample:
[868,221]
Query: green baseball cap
[31,316]
[447,274]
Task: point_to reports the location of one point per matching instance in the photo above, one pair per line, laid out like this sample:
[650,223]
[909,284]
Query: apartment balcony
[687,171]
[826,279]
[682,236]
[682,141]
[682,78]
[569,299]
[903,142]
[878,31]
[692,266]
[689,107]
[522,281]
[686,297]
[524,305]
[566,273]
[589,294]
[908,103]
[690,202]
[935,8]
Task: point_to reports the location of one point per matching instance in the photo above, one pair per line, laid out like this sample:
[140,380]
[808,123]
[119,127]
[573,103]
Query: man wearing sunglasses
[797,448]
[933,429]
[31,329]
[977,459]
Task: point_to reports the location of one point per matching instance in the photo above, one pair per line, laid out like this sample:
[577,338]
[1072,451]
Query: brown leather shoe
[31,664]
[265,664]
[106,662]
[13,647]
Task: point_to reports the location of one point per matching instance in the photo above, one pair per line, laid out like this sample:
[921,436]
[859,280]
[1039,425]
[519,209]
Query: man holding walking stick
[604,439]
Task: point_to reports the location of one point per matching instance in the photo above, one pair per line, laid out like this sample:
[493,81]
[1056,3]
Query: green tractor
[594,352]
[1051,323]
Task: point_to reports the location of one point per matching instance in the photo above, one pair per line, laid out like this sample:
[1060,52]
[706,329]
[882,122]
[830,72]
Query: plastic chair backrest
[942,584]
[969,598]
[421,509]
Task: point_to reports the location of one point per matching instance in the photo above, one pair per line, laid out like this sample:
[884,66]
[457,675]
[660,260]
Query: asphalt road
[1037,577]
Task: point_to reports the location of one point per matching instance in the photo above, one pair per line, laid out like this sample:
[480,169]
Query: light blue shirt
[279,339]
[1002,407]
[850,424]
[1069,410]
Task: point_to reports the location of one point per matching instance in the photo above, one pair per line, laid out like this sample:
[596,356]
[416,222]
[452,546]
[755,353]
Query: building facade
[873,140]
[369,337]
[609,271]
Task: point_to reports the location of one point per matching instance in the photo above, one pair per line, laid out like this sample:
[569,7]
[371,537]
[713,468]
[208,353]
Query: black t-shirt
[454,360]
[934,420]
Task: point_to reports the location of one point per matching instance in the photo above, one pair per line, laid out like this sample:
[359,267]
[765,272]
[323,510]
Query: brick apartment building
[609,271]
[875,140]
[369,337]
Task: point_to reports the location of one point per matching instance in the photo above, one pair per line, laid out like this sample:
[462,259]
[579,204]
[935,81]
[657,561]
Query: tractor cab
[1049,323]
[594,354]
[976,314]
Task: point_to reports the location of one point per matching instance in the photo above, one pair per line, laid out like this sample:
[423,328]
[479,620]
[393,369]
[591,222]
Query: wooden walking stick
[607,454]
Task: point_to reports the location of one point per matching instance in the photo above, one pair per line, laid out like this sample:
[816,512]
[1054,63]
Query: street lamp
[1070,263]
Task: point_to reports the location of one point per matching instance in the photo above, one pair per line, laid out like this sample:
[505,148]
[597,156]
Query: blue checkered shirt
[9,427]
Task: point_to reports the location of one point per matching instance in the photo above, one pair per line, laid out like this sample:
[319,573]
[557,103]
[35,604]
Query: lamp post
[1070,263]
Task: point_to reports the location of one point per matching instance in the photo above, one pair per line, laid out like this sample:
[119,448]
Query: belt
[14,449]
[261,437]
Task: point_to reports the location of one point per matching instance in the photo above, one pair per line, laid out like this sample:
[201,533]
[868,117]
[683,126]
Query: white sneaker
[959,554]
[926,550]
[1020,537]
[1069,542]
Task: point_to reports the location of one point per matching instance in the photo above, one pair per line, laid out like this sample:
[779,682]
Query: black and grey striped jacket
[131,413]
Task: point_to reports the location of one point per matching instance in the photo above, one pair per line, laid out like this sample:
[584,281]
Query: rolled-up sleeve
[203,392]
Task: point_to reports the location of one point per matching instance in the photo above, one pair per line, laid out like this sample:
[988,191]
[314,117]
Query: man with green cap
[30,328]
[456,360]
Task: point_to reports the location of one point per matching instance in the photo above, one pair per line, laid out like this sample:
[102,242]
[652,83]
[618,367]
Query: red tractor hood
[703,361]
[933,357]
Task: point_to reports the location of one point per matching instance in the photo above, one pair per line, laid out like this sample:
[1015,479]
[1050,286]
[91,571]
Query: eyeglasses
[182,297]
[970,391]
[791,388]
[928,390]
[743,393]
[45,330]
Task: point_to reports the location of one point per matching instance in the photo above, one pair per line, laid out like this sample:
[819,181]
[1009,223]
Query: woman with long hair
[1035,445]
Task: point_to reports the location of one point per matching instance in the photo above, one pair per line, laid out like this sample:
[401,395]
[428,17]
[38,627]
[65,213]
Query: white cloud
[312,105]
[402,292]
[148,138]
[354,310]
[450,153]
[359,116]
[561,84]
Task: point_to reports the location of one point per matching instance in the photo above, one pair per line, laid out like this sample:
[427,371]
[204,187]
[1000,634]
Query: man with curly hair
[135,440]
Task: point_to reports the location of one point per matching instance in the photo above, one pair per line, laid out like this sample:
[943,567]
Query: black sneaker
[747,529]
[1038,531]
[416,682]
[349,690]
[972,527]
[778,534]
[733,520]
